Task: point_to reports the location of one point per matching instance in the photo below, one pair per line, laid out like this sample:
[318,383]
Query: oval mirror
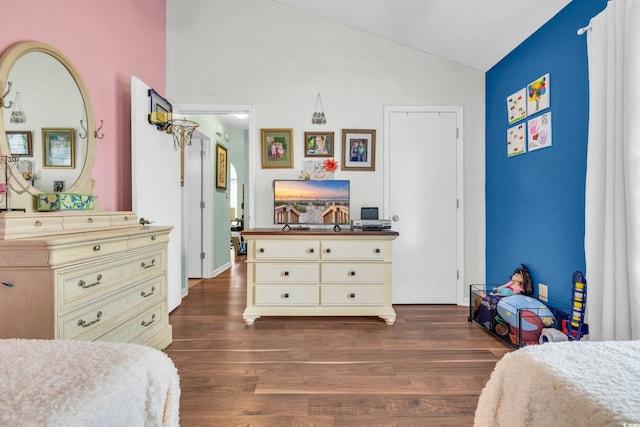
[48,131]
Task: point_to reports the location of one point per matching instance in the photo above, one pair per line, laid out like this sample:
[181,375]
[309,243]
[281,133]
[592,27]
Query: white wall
[261,53]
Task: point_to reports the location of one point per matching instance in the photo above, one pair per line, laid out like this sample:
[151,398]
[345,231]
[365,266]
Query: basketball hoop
[182,131]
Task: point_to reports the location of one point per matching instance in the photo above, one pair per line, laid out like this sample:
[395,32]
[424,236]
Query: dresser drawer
[295,249]
[374,250]
[86,222]
[144,240]
[287,295]
[33,225]
[140,327]
[124,220]
[353,272]
[286,272]
[94,320]
[86,251]
[353,295]
[78,286]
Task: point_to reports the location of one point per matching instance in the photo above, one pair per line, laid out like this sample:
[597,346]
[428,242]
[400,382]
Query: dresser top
[314,232]
[19,225]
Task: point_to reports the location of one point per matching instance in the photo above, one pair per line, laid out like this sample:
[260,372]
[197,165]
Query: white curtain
[612,211]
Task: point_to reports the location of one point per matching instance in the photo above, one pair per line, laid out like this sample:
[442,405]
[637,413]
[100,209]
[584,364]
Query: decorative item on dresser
[319,273]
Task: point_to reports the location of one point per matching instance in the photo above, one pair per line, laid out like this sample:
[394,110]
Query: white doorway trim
[253,138]
[388,111]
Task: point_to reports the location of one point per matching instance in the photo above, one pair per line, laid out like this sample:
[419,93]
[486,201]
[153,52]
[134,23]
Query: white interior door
[194,208]
[199,207]
[156,191]
[423,201]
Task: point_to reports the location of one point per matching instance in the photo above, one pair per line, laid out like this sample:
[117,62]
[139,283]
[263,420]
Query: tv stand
[337,228]
[319,273]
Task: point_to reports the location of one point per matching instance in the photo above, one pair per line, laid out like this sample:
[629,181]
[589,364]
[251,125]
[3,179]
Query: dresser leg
[249,319]
[389,319]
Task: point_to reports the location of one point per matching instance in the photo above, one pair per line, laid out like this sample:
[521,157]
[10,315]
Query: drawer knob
[37,223]
[286,273]
[377,250]
[352,273]
[261,250]
[153,237]
[145,265]
[85,285]
[311,250]
[144,294]
[96,248]
[90,220]
[352,295]
[328,250]
[285,296]
[145,323]
[86,324]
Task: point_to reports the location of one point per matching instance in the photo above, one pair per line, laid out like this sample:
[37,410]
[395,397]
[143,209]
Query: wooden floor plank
[427,369]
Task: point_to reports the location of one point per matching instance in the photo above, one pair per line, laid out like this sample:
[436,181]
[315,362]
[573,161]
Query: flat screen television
[305,202]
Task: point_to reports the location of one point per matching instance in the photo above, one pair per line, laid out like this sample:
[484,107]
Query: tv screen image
[311,202]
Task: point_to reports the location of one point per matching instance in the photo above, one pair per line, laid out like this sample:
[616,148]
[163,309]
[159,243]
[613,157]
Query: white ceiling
[476,33]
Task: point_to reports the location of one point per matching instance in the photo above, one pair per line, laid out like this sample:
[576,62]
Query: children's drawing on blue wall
[539,132]
[538,95]
[517,106]
[516,140]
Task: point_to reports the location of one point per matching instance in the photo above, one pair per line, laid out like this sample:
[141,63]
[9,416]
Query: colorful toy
[574,327]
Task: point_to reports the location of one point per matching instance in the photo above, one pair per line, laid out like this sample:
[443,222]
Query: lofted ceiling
[476,33]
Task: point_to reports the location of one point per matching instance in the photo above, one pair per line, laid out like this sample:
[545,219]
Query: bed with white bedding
[81,383]
[564,384]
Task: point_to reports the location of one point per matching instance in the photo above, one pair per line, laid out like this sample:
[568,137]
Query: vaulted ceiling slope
[476,33]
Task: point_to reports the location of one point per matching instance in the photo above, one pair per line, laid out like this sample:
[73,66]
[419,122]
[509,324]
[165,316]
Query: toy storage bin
[517,320]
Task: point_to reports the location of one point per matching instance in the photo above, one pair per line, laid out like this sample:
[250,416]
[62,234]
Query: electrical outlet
[543,292]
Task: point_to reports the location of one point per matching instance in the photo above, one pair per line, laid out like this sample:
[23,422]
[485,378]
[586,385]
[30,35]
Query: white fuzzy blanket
[79,383]
[564,384]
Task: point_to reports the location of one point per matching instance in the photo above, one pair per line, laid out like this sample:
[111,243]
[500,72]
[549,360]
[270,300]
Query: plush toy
[520,283]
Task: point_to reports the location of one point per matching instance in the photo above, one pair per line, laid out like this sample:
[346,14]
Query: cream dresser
[85,275]
[319,273]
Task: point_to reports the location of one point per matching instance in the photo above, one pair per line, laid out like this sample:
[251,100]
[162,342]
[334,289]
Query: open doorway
[232,127]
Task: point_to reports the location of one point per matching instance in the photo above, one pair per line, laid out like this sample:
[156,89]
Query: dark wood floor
[426,370]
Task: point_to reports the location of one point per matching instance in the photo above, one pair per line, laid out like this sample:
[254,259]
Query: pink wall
[107,42]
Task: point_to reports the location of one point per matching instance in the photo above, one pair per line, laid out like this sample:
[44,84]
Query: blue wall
[535,201]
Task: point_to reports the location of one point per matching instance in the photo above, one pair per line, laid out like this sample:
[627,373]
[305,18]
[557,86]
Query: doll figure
[520,283]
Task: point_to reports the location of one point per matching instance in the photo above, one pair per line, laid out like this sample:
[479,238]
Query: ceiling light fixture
[241,116]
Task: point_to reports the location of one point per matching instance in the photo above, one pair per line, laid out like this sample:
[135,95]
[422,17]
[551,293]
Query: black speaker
[368,213]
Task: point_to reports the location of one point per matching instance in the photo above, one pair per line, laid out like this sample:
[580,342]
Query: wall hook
[95,132]
[84,129]
[4,96]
